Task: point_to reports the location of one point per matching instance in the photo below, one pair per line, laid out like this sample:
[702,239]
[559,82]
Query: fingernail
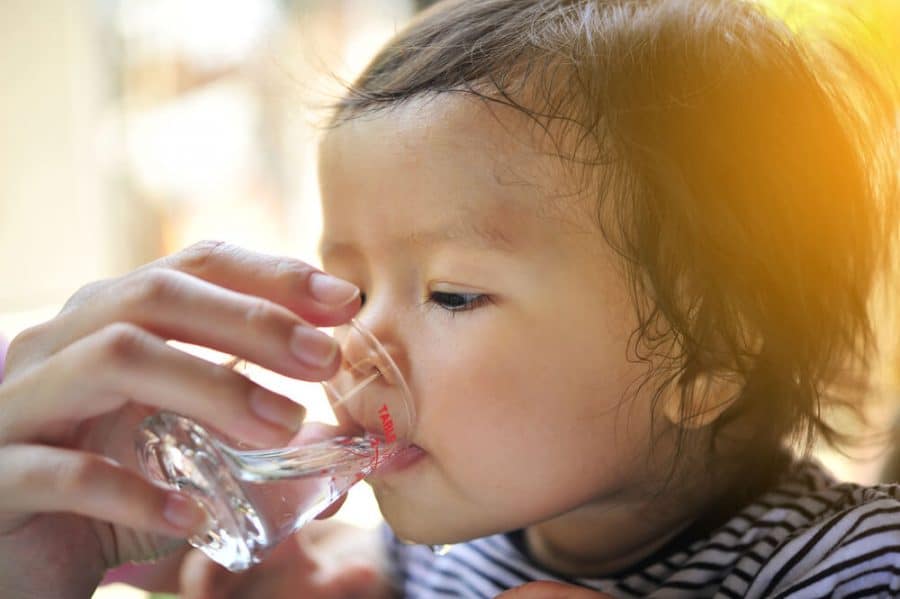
[331,290]
[313,348]
[277,410]
[183,512]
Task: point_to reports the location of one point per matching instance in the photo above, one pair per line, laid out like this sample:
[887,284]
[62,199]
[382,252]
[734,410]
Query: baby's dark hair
[747,183]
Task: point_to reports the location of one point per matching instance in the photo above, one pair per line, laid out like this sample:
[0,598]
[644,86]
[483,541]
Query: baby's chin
[430,533]
[423,507]
[437,525]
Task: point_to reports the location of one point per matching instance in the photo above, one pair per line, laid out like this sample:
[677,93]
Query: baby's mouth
[399,460]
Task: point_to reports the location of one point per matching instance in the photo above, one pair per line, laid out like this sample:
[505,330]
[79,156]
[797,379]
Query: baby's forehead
[450,122]
[485,139]
[455,168]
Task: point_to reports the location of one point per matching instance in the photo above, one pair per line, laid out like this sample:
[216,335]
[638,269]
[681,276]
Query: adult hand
[302,566]
[76,387]
[545,589]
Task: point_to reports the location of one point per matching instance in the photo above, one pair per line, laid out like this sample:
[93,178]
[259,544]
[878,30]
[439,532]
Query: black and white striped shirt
[808,536]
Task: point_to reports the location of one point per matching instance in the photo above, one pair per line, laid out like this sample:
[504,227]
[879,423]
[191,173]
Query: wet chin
[433,525]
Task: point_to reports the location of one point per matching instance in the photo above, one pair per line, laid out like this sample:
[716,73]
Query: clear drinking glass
[256,498]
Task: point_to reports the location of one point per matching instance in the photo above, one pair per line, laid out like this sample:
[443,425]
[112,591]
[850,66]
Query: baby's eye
[457,302]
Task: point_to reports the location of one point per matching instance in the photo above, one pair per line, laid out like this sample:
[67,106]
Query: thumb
[545,589]
[201,578]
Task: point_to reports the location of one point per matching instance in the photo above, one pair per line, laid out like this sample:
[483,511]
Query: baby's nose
[364,355]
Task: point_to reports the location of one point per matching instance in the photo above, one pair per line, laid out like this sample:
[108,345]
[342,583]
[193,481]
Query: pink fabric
[3,345]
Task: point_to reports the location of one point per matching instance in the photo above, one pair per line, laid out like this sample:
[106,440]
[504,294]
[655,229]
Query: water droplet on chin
[440,549]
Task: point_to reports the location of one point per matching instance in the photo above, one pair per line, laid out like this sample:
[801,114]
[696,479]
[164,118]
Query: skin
[71,503]
[427,207]
[447,203]
[75,387]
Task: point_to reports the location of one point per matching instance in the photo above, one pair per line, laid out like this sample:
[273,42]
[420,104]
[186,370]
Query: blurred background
[132,128]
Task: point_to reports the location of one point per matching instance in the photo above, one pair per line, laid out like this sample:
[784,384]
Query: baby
[622,251]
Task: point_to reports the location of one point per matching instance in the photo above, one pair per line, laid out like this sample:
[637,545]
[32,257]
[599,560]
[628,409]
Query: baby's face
[501,303]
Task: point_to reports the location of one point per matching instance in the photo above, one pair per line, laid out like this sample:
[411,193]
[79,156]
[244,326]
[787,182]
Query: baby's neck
[608,537]
[581,544]
[587,560]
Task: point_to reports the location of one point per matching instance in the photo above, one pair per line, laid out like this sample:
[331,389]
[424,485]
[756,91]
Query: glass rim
[394,378]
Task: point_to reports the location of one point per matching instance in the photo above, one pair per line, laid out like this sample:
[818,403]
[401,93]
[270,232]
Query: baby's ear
[700,401]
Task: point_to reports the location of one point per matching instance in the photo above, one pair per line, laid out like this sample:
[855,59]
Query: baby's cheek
[505,422]
[502,450]
[500,405]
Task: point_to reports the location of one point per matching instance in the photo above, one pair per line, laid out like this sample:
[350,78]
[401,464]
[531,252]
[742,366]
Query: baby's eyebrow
[479,235]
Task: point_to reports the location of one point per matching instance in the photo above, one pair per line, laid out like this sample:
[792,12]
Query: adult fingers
[158,576]
[175,305]
[122,363]
[287,565]
[202,578]
[316,297]
[38,478]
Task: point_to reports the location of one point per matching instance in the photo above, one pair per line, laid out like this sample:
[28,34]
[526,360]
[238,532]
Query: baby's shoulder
[826,538]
